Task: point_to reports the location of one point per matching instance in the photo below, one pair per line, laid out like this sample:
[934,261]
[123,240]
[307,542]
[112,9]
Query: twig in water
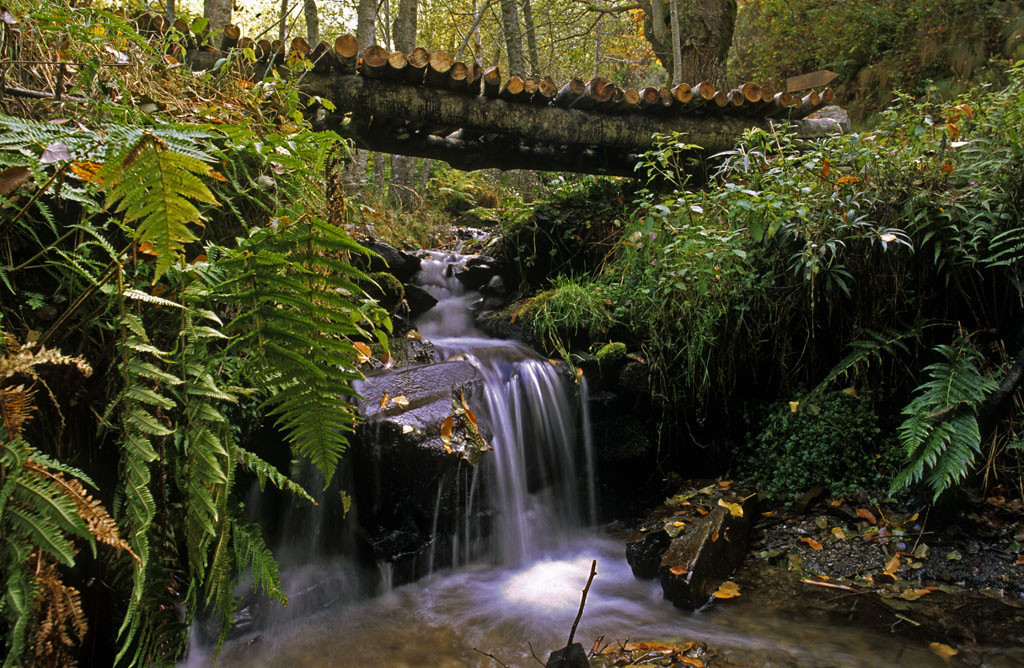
[830,585]
[583,602]
[535,657]
[500,662]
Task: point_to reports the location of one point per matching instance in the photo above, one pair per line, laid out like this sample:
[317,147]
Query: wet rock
[409,486]
[495,287]
[809,498]
[477,272]
[503,323]
[573,656]
[400,264]
[644,551]
[699,560]
[385,289]
[635,377]
[419,300]
[408,352]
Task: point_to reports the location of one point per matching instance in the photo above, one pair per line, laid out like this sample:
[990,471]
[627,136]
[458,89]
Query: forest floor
[957,589]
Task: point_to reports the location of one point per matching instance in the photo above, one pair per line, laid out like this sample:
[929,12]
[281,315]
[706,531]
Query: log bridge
[426,104]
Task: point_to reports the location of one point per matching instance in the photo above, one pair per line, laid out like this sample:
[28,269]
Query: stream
[523,588]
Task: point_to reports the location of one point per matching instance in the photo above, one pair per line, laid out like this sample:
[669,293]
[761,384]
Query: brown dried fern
[58,620]
[101,525]
[16,406]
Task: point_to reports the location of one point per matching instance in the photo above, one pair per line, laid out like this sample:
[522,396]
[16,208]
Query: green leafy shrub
[831,440]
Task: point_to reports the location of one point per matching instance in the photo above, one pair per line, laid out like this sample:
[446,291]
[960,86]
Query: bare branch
[615,9]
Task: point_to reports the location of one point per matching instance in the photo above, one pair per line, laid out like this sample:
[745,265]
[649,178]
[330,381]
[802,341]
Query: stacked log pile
[425,103]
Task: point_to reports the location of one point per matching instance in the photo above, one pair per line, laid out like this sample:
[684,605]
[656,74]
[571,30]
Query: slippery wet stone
[387,258]
[700,559]
[419,300]
[573,656]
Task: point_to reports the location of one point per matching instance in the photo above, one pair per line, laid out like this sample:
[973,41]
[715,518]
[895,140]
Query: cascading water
[539,459]
[526,594]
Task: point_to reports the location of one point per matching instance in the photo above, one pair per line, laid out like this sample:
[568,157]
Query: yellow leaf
[217,175]
[794,406]
[847,179]
[839,533]
[688,661]
[363,352]
[714,536]
[679,570]
[85,170]
[446,432]
[893,565]
[815,545]
[400,400]
[579,375]
[943,650]
[728,590]
[914,594]
[385,400]
[826,168]
[735,509]
[406,429]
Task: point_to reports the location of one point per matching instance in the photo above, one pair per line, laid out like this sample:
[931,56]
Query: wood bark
[218,12]
[513,38]
[312,21]
[677,45]
[551,124]
[705,34]
[282,22]
[404,34]
[531,39]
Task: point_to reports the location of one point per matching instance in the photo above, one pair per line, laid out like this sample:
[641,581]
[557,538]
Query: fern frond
[154,187]
[253,556]
[266,472]
[940,433]
[874,348]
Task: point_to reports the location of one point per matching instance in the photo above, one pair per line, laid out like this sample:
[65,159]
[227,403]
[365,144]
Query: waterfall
[539,460]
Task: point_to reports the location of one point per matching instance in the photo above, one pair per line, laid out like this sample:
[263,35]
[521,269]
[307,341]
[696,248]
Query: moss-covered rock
[386,289]
[611,353]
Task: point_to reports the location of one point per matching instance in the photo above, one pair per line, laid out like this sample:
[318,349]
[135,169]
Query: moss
[386,289]
[611,353]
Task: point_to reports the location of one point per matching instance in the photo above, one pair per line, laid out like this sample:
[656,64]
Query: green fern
[154,186]
[940,433]
[875,347]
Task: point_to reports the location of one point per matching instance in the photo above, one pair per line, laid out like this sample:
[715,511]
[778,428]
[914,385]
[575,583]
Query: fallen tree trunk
[471,155]
[545,125]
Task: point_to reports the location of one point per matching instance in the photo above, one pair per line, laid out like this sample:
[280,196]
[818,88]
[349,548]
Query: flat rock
[699,560]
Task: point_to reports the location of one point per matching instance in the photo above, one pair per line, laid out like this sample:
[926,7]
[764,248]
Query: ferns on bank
[940,433]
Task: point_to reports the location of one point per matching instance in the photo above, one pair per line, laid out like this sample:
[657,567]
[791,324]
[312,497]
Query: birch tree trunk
[218,12]
[677,45]
[312,21]
[531,38]
[404,34]
[282,24]
[513,38]
[705,35]
[366,35]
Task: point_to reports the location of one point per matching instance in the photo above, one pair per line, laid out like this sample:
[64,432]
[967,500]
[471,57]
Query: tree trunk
[366,35]
[513,38]
[404,34]
[169,11]
[705,35]
[677,46]
[218,12]
[282,24]
[531,39]
[312,21]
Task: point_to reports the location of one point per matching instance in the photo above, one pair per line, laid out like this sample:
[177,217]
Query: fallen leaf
[1020,560]
[714,535]
[728,589]
[385,400]
[470,415]
[85,170]
[688,661]
[847,179]
[406,429]
[946,168]
[821,522]
[922,551]
[914,594]
[839,533]
[996,501]
[735,509]
[815,545]
[363,352]
[866,514]
[446,433]
[826,169]
[794,406]
[893,565]
[579,375]
[835,503]
[55,152]
[943,650]
[679,570]
[400,400]
[12,178]
[954,555]
[725,484]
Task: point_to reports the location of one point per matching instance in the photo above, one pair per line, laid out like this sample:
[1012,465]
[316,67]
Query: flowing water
[520,596]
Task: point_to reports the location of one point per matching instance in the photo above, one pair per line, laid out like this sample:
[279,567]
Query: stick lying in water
[583,602]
